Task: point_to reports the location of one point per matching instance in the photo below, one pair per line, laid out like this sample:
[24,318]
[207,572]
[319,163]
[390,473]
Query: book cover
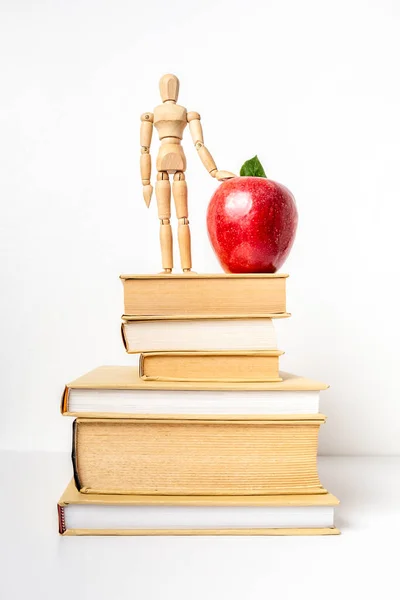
[118,391]
[197,457]
[246,367]
[121,515]
[161,335]
[193,295]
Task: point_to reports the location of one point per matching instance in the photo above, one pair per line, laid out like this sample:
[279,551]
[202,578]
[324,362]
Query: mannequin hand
[222,175]
[147,194]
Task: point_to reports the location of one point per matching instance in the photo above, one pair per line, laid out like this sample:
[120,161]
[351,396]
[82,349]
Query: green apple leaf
[252,168]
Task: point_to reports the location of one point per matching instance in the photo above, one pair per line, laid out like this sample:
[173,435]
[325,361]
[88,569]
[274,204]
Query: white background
[362,563]
[312,87]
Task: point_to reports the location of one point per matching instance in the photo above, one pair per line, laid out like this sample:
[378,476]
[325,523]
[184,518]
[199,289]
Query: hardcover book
[197,457]
[192,295]
[120,392]
[247,367]
[198,335]
[107,514]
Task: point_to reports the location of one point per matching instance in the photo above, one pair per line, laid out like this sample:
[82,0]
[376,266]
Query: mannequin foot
[165,272]
[188,272]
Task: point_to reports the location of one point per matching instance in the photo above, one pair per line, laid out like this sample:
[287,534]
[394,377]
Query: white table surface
[363,562]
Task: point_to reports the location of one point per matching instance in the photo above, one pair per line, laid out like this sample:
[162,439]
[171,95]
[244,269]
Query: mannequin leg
[179,191]
[163,195]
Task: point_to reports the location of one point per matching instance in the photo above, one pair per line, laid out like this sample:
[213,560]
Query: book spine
[170,366]
[74,456]
[64,400]
[61,520]
[141,366]
[124,340]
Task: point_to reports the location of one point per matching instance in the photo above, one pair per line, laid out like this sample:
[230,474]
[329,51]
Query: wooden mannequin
[170,120]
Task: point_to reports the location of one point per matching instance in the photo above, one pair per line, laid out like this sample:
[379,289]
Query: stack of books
[207,436]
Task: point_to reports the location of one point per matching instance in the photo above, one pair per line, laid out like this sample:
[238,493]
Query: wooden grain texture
[180,194]
[170,121]
[227,295]
[166,244]
[184,242]
[145,168]
[146,131]
[169,87]
[197,457]
[170,157]
[211,366]
[163,195]
[205,157]
[147,194]
[196,130]
[223,175]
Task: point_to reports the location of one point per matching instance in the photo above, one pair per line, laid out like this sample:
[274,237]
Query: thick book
[119,392]
[246,367]
[197,457]
[162,335]
[212,296]
[90,514]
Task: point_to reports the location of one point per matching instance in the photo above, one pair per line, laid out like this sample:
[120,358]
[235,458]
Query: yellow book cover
[199,335]
[246,367]
[93,514]
[198,295]
[197,457]
[119,391]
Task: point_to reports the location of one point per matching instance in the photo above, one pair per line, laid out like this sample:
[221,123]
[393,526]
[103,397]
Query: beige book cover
[197,457]
[199,335]
[246,367]
[93,514]
[192,295]
[114,378]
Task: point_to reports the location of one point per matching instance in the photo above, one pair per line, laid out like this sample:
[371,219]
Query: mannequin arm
[196,132]
[146,132]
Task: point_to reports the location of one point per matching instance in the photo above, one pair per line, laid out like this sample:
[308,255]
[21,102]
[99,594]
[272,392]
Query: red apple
[251,224]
